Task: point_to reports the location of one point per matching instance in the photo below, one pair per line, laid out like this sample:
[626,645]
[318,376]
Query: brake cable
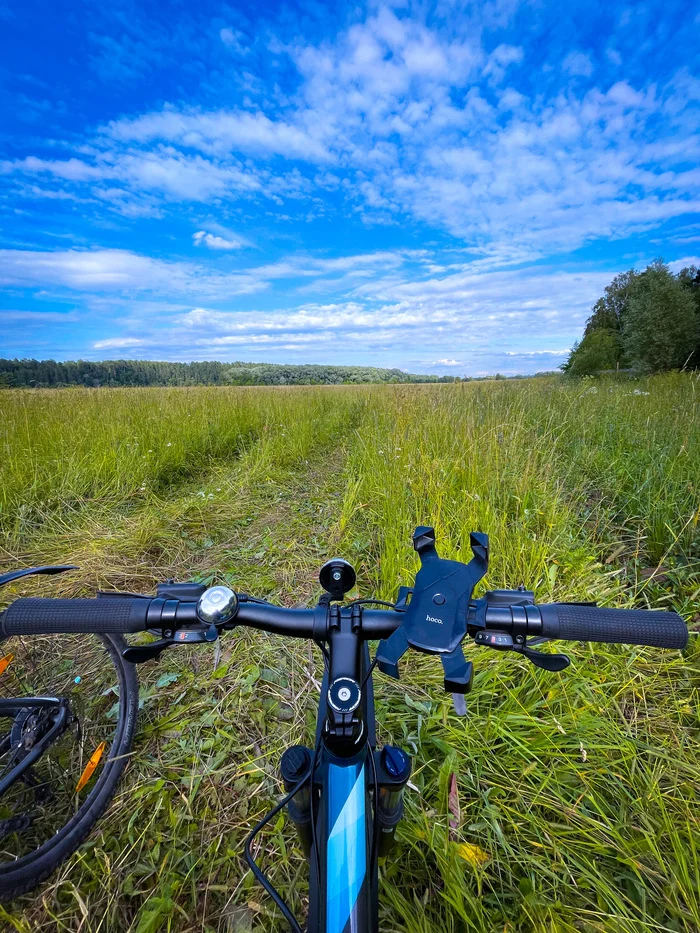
[368,674]
[372,602]
[259,875]
[261,878]
[314,836]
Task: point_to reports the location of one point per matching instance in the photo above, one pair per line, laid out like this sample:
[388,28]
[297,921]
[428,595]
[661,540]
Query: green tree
[599,350]
[601,347]
[660,330]
[690,280]
[158,373]
[609,312]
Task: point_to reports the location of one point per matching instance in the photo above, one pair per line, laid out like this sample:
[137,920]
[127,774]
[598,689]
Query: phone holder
[435,620]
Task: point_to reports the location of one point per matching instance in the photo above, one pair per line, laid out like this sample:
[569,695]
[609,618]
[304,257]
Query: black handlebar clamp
[435,620]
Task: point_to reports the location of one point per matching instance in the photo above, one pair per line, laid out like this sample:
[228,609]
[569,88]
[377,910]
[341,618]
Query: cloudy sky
[441,187]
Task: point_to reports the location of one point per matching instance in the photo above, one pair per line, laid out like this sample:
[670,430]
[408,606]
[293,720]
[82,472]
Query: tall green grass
[64,451]
[578,791]
[580,788]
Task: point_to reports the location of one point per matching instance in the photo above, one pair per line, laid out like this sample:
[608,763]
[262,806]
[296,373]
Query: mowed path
[213,724]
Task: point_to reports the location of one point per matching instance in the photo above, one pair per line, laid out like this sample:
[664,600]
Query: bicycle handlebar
[35,616]
[125,614]
[570,622]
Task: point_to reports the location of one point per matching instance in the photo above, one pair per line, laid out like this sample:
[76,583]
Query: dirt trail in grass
[210,737]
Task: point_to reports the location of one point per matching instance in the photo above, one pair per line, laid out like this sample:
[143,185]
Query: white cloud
[686,261]
[37,317]
[414,123]
[185,178]
[82,270]
[511,99]
[526,353]
[578,64]
[221,132]
[119,271]
[69,169]
[176,175]
[232,38]
[473,311]
[202,238]
[125,272]
[117,343]
[502,57]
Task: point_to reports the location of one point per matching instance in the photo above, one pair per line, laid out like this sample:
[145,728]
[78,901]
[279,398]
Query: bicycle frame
[344,898]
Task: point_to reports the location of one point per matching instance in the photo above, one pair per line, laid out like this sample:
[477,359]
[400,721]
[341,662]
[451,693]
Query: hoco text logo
[433,619]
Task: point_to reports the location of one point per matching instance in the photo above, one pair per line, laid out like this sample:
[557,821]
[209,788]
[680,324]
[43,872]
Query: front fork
[393,769]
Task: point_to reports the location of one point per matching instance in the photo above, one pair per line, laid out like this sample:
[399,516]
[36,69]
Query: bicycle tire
[23,874]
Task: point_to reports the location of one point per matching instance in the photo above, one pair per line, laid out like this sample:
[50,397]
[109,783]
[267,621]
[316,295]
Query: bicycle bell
[217,605]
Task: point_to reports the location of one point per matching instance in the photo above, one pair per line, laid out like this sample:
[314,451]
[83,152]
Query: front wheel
[68,706]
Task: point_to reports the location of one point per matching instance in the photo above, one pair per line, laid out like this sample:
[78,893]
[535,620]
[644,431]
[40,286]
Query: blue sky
[441,187]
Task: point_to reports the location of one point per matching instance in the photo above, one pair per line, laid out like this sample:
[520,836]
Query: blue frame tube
[347,883]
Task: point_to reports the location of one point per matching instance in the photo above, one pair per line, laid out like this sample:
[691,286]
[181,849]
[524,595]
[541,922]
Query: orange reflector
[5,662]
[90,766]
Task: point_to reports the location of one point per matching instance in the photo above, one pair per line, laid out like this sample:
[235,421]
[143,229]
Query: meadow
[578,791]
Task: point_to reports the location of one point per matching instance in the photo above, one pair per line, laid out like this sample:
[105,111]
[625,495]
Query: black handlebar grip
[619,626]
[36,616]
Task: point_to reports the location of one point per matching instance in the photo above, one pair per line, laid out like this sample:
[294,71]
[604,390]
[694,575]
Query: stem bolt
[344,695]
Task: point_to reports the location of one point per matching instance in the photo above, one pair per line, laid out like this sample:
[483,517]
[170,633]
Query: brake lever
[548,662]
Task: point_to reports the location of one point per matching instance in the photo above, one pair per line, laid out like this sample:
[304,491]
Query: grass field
[578,791]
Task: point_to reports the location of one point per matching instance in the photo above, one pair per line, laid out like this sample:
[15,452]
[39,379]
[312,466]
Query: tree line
[646,321]
[51,373]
